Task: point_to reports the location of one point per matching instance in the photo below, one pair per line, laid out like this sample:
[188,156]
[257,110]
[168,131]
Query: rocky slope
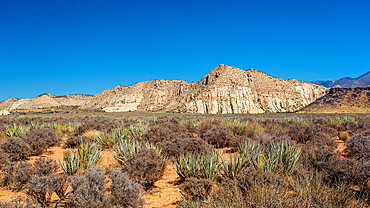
[44,101]
[342,100]
[362,80]
[225,89]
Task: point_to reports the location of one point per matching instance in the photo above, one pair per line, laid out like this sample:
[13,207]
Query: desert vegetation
[120,160]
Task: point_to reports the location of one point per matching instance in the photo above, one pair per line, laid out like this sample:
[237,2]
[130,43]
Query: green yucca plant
[72,127]
[53,125]
[105,139]
[130,146]
[85,156]
[276,158]
[250,152]
[233,165]
[137,130]
[198,166]
[71,163]
[210,165]
[187,166]
[89,154]
[16,130]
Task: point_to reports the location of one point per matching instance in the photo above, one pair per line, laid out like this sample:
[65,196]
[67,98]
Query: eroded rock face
[45,101]
[225,89]
[232,90]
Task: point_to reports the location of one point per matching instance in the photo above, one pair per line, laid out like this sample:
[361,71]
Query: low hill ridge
[225,89]
[342,100]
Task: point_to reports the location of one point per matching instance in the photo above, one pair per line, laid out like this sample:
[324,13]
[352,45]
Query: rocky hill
[362,80]
[44,101]
[342,100]
[225,89]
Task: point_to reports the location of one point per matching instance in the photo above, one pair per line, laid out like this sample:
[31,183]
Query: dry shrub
[15,148]
[91,134]
[19,202]
[16,175]
[166,129]
[219,136]
[89,189]
[196,189]
[3,159]
[41,188]
[180,146]
[313,134]
[45,166]
[146,167]
[41,139]
[358,146]
[95,123]
[252,129]
[74,141]
[344,135]
[125,192]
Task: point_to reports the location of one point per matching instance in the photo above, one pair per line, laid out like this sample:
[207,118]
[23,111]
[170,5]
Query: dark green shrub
[16,148]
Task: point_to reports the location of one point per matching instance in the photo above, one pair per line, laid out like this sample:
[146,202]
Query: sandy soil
[164,193]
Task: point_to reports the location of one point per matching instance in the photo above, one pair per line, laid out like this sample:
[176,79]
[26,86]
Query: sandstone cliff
[225,89]
[46,100]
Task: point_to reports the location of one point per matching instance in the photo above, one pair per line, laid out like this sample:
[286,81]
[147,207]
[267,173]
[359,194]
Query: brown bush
[313,134]
[45,166]
[15,148]
[219,136]
[180,146]
[41,188]
[196,189]
[88,190]
[358,146]
[125,192]
[41,139]
[166,129]
[16,175]
[146,167]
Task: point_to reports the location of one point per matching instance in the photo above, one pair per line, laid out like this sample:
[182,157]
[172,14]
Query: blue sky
[66,46]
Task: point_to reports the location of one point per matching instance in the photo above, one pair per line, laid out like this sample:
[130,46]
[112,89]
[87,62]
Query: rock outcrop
[225,89]
[46,100]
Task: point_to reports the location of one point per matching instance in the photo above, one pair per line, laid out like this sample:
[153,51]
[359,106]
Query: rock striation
[225,89]
[46,100]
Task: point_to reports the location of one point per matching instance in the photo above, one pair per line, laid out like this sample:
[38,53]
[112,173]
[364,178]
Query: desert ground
[98,159]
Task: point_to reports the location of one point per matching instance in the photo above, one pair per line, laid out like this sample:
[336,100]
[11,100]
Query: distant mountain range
[360,81]
[224,89]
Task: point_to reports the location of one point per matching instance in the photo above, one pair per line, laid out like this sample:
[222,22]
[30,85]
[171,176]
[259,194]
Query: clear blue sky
[66,46]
